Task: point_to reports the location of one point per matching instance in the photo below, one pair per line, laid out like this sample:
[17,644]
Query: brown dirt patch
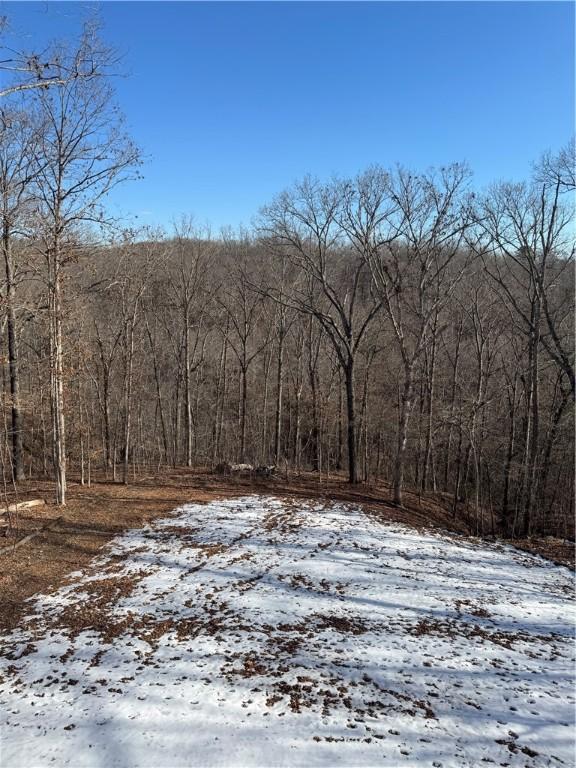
[344,625]
[559,551]
[42,564]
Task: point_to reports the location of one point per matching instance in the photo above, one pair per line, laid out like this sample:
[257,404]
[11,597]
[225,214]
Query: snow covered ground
[261,632]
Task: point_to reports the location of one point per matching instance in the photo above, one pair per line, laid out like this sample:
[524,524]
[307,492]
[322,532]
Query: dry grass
[106,509]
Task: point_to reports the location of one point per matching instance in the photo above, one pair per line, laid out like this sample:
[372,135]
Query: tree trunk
[59,427]
[404,416]
[297,425]
[430,403]
[158,394]
[340,450]
[106,407]
[177,416]
[279,393]
[221,393]
[81,429]
[532,469]
[550,440]
[16,413]
[458,472]
[351,415]
[187,393]
[264,444]
[243,403]
[452,406]
[505,512]
[315,431]
[128,401]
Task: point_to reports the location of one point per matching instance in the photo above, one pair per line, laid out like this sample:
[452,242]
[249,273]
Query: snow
[267,632]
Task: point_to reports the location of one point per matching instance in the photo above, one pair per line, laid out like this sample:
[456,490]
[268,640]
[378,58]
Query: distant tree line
[398,325]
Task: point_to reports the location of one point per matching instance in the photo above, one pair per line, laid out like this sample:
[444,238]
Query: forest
[400,326]
[298,492]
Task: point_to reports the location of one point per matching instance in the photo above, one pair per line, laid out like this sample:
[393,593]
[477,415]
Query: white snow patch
[259,632]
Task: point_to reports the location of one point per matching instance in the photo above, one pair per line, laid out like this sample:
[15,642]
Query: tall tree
[409,230]
[332,283]
[18,137]
[247,334]
[528,246]
[81,154]
[193,251]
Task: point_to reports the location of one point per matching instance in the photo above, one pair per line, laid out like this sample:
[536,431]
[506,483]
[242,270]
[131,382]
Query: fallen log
[31,536]
[25,505]
[17,507]
[90,531]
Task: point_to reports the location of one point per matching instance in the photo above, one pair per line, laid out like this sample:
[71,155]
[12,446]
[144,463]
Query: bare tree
[409,230]
[332,283]
[528,248]
[346,328]
[18,137]
[131,286]
[53,67]
[81,154]
[243,307]
[194,251]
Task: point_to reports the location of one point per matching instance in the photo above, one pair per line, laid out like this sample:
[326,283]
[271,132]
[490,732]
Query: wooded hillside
[399,325]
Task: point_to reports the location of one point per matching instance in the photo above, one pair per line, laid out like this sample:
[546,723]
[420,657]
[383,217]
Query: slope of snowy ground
[259,632]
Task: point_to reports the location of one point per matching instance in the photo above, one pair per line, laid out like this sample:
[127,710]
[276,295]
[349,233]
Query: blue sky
[231,102]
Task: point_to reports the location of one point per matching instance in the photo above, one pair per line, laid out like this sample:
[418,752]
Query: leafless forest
[401,326]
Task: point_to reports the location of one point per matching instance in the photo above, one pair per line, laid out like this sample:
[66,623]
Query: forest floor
[267,630]
[105,509]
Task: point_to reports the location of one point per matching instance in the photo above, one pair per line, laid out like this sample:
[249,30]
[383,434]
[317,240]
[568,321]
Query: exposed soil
[557,550]
[105,509]
[42,564]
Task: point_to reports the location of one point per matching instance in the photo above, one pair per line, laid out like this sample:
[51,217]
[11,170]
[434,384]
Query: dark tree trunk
[15,409]
[351,415]
[404,416]
[279,393]
[505,512]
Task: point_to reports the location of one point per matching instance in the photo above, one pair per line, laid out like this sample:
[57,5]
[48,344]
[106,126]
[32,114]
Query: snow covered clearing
[261,632]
